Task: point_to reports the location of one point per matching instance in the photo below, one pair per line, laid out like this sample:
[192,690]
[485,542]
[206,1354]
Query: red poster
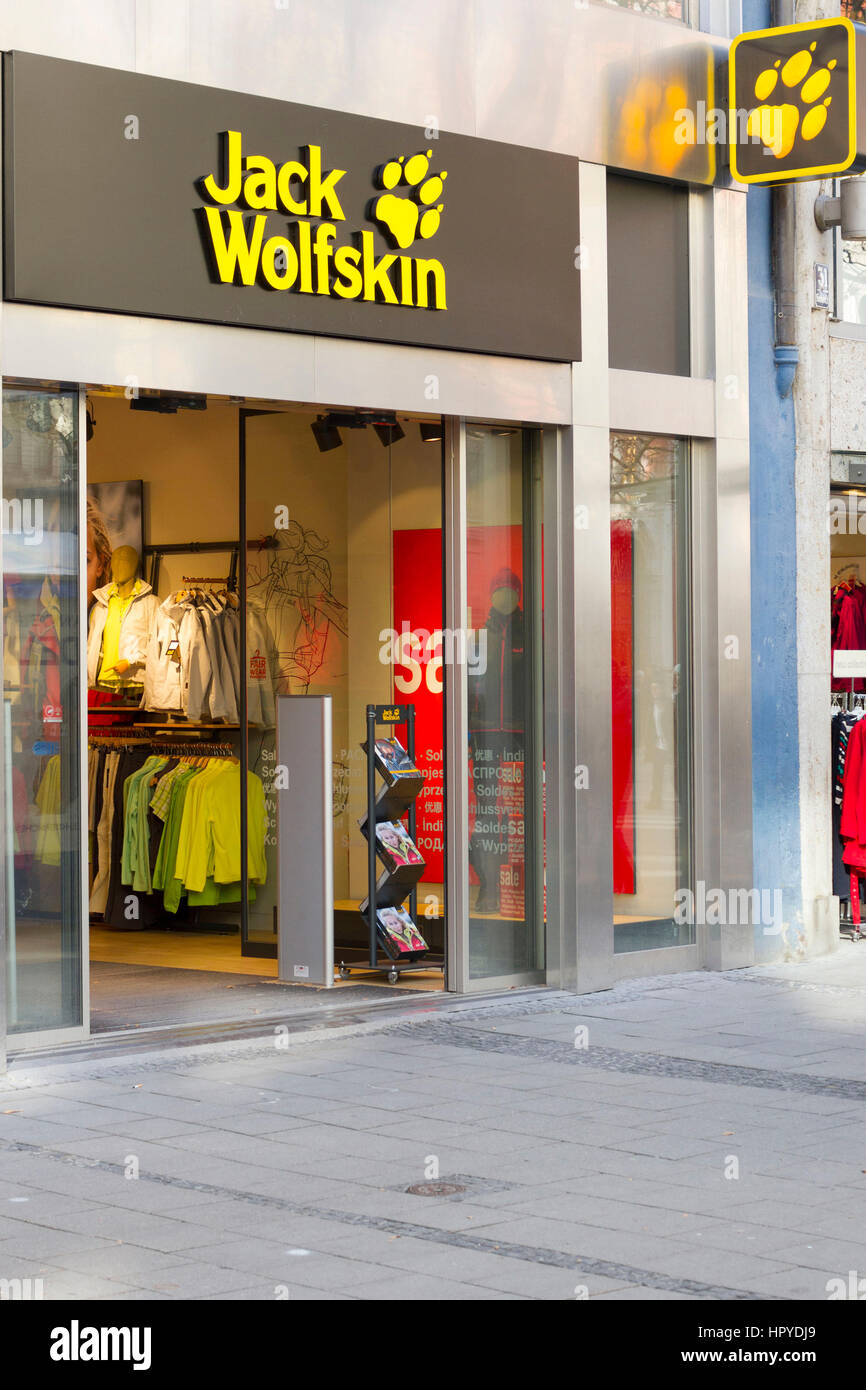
[622,686]
[418,678]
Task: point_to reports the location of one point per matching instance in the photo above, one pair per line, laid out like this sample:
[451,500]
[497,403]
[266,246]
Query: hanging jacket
[852,825]
[135,628]
[262,668]
[177,677]
[848,628]
[223,689]
[39,665]
[190,666]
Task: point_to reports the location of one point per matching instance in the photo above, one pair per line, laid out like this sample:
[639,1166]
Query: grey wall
[648,276]
[523,71]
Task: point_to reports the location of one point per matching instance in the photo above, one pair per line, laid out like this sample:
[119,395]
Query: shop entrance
[236,553]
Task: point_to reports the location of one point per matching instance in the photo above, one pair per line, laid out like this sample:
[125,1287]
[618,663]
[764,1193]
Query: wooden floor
[197,951]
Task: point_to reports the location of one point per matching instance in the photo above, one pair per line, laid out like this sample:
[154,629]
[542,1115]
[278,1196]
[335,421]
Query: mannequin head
[505,591]
[124,565]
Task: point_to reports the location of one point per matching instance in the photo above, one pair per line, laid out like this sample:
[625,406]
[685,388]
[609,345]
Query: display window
[650,690]
[847,527]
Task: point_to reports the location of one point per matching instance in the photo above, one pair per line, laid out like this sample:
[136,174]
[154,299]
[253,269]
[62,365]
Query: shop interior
[338,506]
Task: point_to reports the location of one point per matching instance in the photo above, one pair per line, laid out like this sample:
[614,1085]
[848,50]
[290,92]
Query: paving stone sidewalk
[699,1136]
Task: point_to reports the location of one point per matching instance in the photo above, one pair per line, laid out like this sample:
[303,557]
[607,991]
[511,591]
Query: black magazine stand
[393,886]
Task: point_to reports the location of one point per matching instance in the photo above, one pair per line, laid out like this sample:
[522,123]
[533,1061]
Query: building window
[651,689]
[851,283]
[854,9]
[662,9]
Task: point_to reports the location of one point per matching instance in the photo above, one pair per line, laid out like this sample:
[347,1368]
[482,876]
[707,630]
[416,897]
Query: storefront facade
[592,438]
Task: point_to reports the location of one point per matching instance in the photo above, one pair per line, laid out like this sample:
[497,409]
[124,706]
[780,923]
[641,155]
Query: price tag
[847,665]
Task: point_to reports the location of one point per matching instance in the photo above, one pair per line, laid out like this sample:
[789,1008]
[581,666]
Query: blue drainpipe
[772,441]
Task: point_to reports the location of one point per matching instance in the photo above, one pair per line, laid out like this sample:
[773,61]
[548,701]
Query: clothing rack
[233,548]
[208,750]
[850,702]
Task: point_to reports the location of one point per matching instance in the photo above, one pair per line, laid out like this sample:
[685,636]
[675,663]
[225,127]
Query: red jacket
[848,627]
[853,823]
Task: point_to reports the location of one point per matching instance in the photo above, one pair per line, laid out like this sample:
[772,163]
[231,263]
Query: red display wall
[418,678]
[622,702]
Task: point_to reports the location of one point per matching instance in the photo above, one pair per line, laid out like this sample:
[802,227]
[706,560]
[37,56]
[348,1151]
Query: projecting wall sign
[798,102]
[164,198]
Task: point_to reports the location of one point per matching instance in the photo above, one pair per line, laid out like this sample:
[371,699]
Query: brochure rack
[387,838]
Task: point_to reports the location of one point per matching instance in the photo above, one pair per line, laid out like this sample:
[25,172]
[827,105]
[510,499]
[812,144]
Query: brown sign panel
[139,195]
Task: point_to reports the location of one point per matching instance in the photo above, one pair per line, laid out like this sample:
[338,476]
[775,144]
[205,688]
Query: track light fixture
[389,432]
[326,434]
[326,428]
[164,404]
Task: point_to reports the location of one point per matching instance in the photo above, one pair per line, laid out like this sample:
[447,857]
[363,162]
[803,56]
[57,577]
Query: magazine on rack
[396,845]
[399,935]
[394,763]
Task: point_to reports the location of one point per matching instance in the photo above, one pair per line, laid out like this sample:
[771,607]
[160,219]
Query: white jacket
[135,629]
[263,674]
[173,685]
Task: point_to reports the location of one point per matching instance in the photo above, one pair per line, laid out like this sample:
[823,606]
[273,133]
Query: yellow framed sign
[793,95]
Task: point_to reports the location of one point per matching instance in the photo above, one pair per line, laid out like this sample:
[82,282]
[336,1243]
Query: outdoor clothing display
[119,630]
[39,664]
[849,806]
[192,664]
[48,804]
[848,627]
[169,828]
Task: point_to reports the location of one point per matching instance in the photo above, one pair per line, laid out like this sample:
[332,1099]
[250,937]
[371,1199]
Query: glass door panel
[651,689]
[42,653]
[505,686]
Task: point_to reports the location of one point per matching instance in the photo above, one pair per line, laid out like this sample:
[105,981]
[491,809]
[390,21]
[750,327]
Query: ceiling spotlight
[160,404]
[389,433]
[431,431]
[326,434]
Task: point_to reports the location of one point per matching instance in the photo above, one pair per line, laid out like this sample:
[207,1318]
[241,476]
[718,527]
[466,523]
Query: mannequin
[124,569]
[120,622]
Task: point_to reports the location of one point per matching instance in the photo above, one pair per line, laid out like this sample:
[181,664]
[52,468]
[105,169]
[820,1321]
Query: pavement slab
[709,1143]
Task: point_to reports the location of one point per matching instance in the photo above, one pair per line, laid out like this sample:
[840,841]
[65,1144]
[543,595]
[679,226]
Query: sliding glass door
[44,792]
[504,755]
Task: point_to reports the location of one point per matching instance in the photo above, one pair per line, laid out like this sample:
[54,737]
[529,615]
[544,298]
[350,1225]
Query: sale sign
[418,678]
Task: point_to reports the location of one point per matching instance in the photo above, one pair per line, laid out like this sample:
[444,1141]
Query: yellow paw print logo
[417,215]
[649,124]
[776,125]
